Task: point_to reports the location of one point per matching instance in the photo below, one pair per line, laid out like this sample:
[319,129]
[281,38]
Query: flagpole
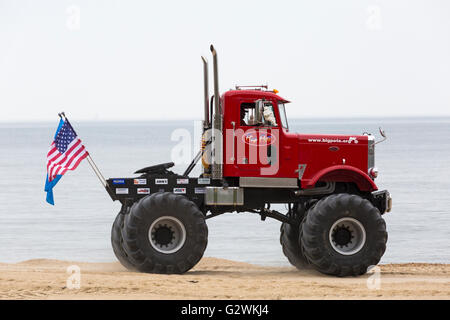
[97,171]
[94,167]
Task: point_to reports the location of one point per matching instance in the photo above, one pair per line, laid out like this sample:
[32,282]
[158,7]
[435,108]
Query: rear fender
[342,173]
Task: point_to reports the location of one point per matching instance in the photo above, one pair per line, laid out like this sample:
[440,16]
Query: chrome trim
[383,134]
[301,170]
[327,189]
[388,201]
[224,196]
[373,172]
[257,182]
[206,92]
[217,159]
[234,137]
[370,152]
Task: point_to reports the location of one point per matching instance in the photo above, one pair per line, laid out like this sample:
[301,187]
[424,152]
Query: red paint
[346,163]
[342,173]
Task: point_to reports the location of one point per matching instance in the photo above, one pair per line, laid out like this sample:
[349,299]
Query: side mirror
[259,107]
[383,134]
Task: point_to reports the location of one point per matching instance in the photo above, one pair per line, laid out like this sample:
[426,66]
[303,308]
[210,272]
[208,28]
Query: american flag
[66,152]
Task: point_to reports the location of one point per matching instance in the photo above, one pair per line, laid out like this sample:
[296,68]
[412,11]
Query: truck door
[256,136]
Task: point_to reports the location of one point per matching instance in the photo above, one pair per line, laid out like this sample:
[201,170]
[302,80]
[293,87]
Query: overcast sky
[128,60]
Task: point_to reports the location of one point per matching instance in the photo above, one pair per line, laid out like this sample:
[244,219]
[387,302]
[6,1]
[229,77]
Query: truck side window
[283,118]
[269,115]
[247,117]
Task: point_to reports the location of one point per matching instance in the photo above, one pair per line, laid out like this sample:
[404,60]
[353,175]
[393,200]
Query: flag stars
[64,137]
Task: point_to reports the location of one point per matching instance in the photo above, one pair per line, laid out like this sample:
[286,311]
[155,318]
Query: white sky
[131,60]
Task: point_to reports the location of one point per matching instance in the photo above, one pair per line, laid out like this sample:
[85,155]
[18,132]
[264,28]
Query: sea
[413,163]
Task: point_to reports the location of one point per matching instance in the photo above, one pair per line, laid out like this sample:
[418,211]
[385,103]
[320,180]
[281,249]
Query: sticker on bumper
[140,181]
[122,191]
[161,181]
[143,191]
[200,190]
[182,181]
[204,180]
[179,190]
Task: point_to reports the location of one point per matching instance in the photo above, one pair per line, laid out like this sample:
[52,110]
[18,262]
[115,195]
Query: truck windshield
[283,118]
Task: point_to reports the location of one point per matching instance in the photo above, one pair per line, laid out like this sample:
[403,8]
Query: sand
[219,279]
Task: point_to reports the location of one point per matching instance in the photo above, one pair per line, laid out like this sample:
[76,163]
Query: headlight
[373,172]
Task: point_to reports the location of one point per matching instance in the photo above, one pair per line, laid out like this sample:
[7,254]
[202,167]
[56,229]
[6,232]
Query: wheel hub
[342,236]
[163,235]
[167,234]
[347,236]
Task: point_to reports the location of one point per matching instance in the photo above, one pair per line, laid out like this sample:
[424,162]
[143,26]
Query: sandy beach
[219,279]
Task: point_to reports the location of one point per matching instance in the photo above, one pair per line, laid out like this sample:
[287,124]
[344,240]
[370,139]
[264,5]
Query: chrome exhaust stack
[216,83]
[206,92]
[217,154]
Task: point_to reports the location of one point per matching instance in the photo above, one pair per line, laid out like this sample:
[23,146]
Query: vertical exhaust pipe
[206,93]
[217,158]
[216,82]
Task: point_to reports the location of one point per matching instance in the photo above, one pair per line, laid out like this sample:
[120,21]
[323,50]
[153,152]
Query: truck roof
[257,94]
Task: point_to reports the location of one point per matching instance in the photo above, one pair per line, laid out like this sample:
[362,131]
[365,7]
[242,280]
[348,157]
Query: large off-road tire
[343,235]
[117,242]
[290,242]
[164,233]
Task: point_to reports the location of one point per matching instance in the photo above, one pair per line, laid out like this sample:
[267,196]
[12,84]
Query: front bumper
[382,200]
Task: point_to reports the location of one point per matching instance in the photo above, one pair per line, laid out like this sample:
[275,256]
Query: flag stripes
[59,163]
